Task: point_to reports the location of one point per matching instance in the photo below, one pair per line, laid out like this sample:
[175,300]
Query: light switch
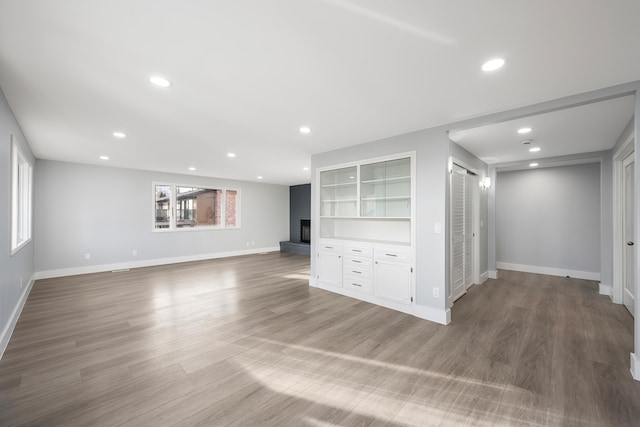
[481,223]
[437,228]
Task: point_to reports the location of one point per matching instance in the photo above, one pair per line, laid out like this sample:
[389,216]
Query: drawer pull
[356,261]
[356,250]
[329,247]
[357,284]
[356,271]
[391,255]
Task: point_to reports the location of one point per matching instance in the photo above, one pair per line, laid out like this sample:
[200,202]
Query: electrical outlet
[436,292]
[253,242]
[134,252]
[247,244]
[87,256]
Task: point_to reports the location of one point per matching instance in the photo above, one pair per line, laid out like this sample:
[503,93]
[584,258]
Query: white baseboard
[587,275]
[605,289]
[15,315]
[493,274]
[483,278]
[423,312]
[433,314]
[635,367]
[74,271]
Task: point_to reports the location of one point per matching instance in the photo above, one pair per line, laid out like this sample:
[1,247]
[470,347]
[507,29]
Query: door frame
[475,250]
[626,149]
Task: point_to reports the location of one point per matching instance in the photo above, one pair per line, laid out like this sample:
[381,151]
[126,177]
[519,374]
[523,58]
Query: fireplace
[305,230]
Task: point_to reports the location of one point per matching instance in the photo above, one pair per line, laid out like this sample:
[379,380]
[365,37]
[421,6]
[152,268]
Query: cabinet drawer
[330,248]
[358,251]
[364,273]
[357,262]
[393,255]
[357,284]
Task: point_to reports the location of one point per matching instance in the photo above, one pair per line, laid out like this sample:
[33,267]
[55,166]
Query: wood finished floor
[245,341]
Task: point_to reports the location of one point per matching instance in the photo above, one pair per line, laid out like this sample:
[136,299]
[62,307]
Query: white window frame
[172,221]
[21,198]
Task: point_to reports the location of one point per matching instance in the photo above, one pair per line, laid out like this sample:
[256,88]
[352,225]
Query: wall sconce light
[486,182]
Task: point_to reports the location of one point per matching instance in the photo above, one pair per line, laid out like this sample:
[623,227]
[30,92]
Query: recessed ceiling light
[305,129]
[104,157]
[352,177]
[232,155]
[493,64]
[524,130]
[191,168]
[259,177]
[533,165]
[534,149]
[119,135]
[305,168]
[159,81]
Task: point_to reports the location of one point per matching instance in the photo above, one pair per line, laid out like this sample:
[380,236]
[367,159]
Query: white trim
[173,208]
[13,319]
[635,367]
[604,289]
[626,149]
[587,275]
[483,278]
[146,263]
[423,312]
[493,274]
[433,314]
[21,191]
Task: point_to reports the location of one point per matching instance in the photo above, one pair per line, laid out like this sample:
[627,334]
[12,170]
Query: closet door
[458,238]
[628,296]
[468,230]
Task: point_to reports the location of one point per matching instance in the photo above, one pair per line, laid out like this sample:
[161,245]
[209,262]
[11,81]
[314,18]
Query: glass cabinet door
[339,192]
[385,189]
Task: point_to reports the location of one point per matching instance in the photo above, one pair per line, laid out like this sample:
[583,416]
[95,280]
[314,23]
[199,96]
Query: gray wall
[19,267]
[108,213]
[432,152]
[550,217]
[300,208]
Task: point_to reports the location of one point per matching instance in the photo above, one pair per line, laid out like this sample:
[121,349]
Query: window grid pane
[163,206]
[231,205]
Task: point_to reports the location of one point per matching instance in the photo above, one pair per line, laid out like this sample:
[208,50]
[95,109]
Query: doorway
[624,289]
[628,291]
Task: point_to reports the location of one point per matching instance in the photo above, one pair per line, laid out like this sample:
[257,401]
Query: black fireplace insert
[305,230]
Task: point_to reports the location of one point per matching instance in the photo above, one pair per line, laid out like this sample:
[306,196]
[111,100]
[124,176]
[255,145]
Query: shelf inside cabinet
[339,184]
[385,180]
[386,198]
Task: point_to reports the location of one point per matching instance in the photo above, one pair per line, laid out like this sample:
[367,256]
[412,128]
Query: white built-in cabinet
[366,245]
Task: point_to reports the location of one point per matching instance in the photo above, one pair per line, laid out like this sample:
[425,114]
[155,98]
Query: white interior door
[469,188]
[628,229]
[458,238]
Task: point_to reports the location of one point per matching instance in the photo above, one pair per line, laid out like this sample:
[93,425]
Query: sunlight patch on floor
[297,276]
[385,399]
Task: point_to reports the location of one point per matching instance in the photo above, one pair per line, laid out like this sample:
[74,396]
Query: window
[21,177]
[187,207]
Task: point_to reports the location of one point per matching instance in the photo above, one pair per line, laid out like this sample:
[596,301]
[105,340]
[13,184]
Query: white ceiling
[584,129]
[248,73]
